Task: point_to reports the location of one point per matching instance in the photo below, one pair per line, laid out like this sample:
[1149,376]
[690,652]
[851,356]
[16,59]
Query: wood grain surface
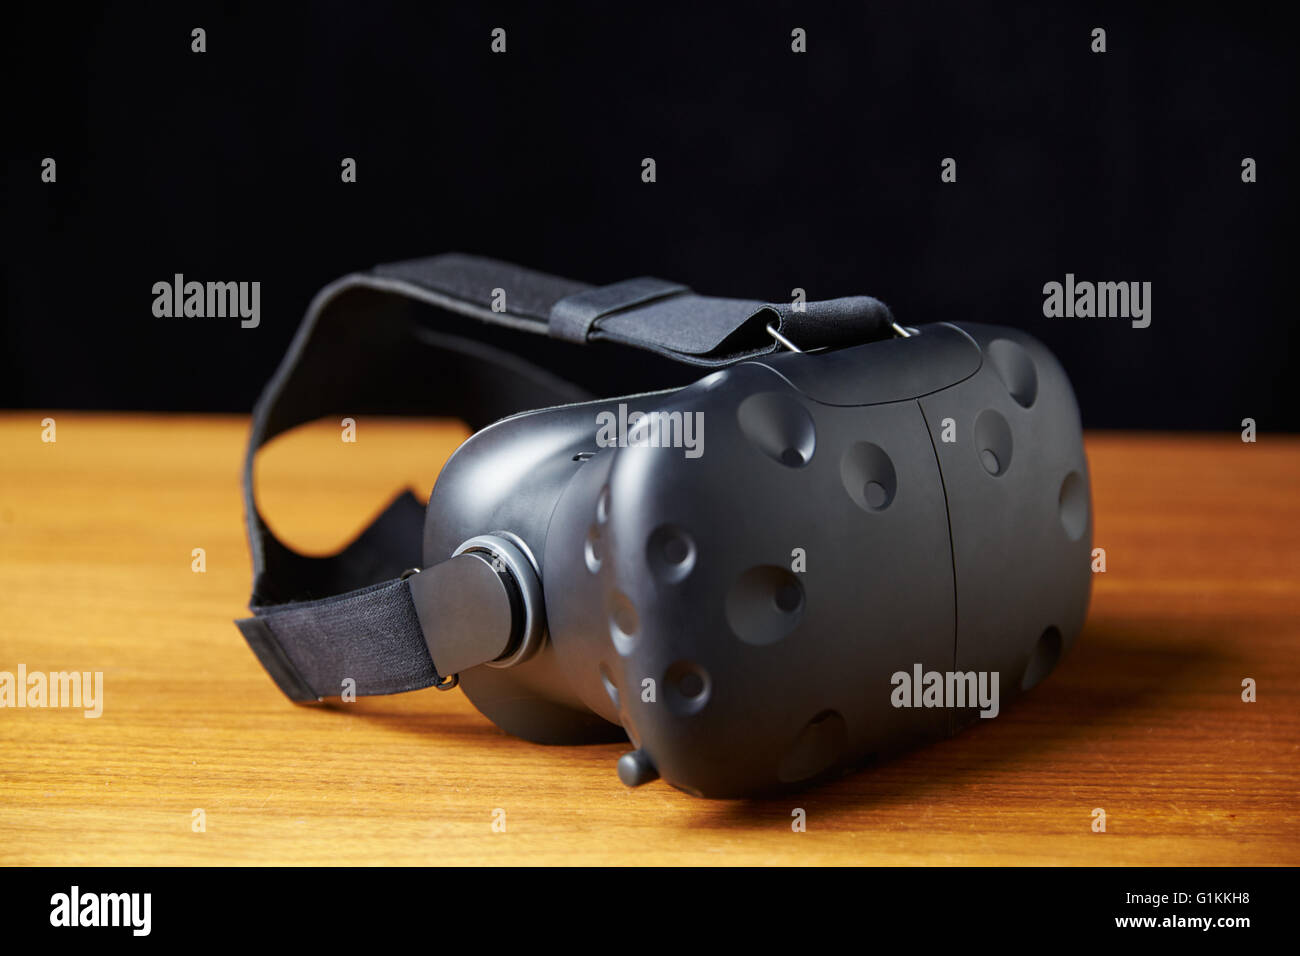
[1144,718]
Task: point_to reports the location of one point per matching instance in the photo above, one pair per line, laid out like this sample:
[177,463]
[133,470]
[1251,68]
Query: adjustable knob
[481,606]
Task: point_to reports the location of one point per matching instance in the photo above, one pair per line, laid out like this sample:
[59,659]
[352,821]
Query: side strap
[371,346]
[371,636]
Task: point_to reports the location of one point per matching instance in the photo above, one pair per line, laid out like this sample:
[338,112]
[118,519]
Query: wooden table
[1144,718]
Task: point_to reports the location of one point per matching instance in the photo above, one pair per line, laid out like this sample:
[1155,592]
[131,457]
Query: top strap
[652,314]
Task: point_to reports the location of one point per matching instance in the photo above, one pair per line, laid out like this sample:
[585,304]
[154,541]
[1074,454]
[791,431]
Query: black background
[775,170]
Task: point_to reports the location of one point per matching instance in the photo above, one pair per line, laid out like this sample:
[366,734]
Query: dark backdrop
[775,170]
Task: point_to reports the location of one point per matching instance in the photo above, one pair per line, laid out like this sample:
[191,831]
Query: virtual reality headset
[800,537]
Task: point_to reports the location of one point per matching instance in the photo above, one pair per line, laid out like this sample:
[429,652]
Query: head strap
[389,342]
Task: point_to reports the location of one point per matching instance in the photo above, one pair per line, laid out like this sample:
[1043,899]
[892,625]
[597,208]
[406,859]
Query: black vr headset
[802,537]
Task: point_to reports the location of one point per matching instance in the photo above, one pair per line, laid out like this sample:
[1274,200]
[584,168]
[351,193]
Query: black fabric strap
[650,314]
[390,342]
[369,345]
[573,316]
[370,636]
